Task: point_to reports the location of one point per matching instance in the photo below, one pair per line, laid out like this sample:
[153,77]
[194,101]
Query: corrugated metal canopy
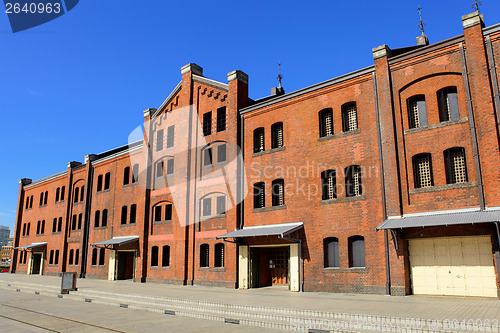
[446,219]
[280,230]
[117,241]
[31,246]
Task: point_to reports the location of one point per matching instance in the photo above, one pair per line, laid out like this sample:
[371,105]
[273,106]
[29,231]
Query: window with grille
[448,104]
[207,156]
[207,123]
[349,117]
[422,170]
[353,181]
[204,255]
[278,192]
[221,205]
[277,135]
[165,256]
[126,176]
[170,136]
[154,256]
[159,140]
[258,140]
[326,122]
[356,251]
[124,215]
[328,184]
[219,255]
[221,153]
[331,252]
[456,167]
[221,119]
[417,113]
[168,212]
[207,207]
[170,167]
[259,195]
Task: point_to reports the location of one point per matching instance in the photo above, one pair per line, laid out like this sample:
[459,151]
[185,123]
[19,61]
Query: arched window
[204,255]
[326,122]
[42,229]
[219,255]
[77,256]
[59,224]
[54,225]
[41,199]
[46,197]
[331,252]
[126,175]
[422,170]
[124,215]
[51,257]
[448,104]
[82,191]
[349,117]
[38,228]
[73,222]
[63,191]
[24,229]
[28,229]
[157,215]
[456,166]
[135,173]
[77,193]
[80,218]
[259,195]
[31,202]
[56,258]
[258,140]
[27,203]
[97,217]
[165,256]
[133,209]
[328,184]
[356,251]
[277,135]
[58,190]
[154,256]
[221,119]
[94,256]
[99,183]
[353,185]
[102,256]
[70,258]
[278,192]
[417,113]
[104,221]
[107,179]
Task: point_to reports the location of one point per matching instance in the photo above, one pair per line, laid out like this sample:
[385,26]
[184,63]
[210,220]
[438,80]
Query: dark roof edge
[46,179]
[309,89]
[210,82]
[491,29]
[168,99]
[117,151]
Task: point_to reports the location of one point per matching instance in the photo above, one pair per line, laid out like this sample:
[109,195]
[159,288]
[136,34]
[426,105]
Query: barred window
[204,255]
[170,136]
[328,184]
[278,192]
[353,181]
[331,252]
[456,167]
[219,255]
[207,123]
[221,119]
[422,170]
[259,195]
[277,135]
[159,140]
[258,140]
[417,113]
[326,122]
[448,104]
[349,117]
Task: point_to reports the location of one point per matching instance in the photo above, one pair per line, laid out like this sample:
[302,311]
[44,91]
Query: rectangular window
[422,170]
[159,169]
[221,204]
[278,194]
[456,168]
[448,104]
[101,256]
[328,184]
[135,173]
[221,153]
[170,136]
[168,212]
[207,123]
[259,197]
[207,207]
[326,123]
[221,119]
[165,256]
[133,212]
[207,157]
[170,166]
[349,117]
[157,213]
[107,180]
[331,246]
[258,140]
[124,215]
[159,140]
[277,135]
[417,112]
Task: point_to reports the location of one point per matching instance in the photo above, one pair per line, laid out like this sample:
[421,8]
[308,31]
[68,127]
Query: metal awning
[31,246]
[441,219]
[122,240]
[279,230]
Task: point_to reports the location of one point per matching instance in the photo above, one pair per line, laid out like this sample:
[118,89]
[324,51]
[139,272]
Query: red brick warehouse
[383,180]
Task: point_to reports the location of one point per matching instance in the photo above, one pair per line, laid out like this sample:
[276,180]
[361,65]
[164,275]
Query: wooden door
[278,265]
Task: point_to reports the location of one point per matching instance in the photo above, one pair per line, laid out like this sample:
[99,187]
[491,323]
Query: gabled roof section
[168,100]
[209,82]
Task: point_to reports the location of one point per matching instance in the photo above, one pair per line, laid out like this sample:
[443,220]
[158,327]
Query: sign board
[68,282]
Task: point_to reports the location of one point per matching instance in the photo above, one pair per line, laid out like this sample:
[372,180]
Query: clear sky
[78,85]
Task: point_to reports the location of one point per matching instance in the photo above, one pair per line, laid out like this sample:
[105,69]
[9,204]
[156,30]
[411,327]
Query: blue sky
[78,84]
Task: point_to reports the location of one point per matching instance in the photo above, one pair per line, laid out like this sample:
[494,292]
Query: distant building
[4,235]
[5,254]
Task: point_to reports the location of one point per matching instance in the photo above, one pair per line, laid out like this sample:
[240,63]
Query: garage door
[460,266]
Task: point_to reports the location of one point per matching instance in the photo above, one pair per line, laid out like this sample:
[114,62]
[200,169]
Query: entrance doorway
[36,263]
[269,266]
[125,269]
